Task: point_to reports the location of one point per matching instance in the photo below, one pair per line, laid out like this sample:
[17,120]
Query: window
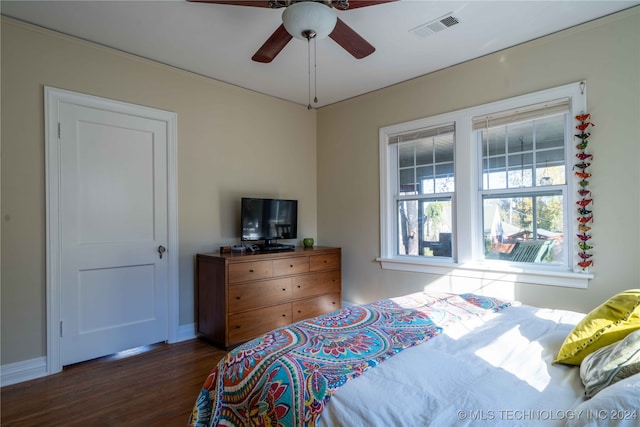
[485,189]
[425,187]
[523,182]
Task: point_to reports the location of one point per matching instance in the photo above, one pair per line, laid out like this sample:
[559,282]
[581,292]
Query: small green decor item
[307,242]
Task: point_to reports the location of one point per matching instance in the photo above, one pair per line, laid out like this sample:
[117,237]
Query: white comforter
[495,371]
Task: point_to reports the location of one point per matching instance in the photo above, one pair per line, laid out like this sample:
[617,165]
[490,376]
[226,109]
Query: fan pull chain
[310,34]
[315,72]
[309,70]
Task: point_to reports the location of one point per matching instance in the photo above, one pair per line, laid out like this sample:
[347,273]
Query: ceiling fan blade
[254,3]
[272,47]
[351,41]
[355,4]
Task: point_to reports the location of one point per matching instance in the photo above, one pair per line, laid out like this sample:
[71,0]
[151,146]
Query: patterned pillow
[608,323]
[611,364]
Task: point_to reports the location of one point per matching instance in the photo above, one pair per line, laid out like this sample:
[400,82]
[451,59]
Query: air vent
[435,26]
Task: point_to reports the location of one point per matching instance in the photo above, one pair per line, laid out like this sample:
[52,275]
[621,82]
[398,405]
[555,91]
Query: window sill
[491,271]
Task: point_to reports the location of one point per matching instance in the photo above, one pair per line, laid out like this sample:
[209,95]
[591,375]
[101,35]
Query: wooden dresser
[241,296]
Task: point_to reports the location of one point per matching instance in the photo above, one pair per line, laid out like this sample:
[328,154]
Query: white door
[113,227]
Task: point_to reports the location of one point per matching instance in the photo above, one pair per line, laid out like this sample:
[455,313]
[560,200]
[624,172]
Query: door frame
[52,99]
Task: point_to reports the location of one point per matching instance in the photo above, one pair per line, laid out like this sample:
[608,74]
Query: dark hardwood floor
[156,386]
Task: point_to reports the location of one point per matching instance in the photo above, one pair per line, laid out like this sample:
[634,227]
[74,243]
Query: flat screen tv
[269,220]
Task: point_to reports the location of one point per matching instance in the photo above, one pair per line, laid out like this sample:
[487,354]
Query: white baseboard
[26,370]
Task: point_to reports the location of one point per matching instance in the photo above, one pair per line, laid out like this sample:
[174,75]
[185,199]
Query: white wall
[215,136]
[231,143]
[605,52]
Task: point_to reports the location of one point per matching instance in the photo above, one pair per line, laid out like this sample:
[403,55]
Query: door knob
[161,250]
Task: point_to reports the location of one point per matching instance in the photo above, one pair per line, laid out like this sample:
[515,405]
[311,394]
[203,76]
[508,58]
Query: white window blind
[422,133]
[522,114]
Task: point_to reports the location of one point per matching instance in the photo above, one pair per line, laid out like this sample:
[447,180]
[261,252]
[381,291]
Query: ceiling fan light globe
[301,17]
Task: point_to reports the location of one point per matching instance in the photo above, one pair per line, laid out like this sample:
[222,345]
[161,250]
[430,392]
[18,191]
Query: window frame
[468,255]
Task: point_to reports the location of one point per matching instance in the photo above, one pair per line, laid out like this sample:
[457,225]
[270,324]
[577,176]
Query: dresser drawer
[245,271]
[258,294]
[324,262]
[249,324]
[284,267]
[316,283]
[315,306]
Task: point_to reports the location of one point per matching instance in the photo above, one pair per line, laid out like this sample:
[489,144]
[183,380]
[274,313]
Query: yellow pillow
[608,323]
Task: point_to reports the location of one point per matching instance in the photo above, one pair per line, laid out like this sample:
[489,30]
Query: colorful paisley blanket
[286,377]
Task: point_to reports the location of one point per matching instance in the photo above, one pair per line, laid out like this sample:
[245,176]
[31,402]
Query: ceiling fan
[321,14]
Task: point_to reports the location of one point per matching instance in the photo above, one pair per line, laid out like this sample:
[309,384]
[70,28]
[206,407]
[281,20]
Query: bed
[435,359]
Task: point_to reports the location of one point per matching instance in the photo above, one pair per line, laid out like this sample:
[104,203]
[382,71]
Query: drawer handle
[251,270]
[291,265]
[284,289]
[333,302]
[284,315]
[237,326]
[237,297]
[299,311]
[299,286]
[325,261]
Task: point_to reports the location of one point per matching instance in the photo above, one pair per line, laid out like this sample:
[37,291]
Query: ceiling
[217,40]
